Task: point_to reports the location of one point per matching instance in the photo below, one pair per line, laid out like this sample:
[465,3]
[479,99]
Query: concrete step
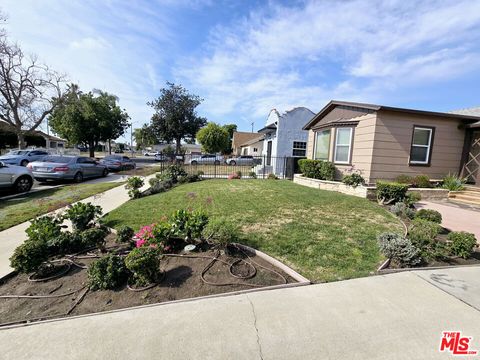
[466,202]
[462,196]
[472,188]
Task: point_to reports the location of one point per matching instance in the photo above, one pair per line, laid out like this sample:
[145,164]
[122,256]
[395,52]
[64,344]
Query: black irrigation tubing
[57,275]
[150,286]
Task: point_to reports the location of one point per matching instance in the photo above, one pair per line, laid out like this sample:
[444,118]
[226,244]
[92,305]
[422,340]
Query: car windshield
[18,152]
[112,157]
[57,159]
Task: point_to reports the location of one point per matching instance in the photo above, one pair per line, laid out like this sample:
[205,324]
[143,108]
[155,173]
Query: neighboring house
[252,147]
[240,138]
[383,142]
[284,137]
[51,141]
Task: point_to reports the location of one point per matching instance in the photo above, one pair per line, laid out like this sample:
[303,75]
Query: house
[284,137]
[240,138]
[382,142]
[252,147]
[51,141]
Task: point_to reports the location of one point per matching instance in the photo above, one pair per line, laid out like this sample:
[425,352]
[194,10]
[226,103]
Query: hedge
[317,169]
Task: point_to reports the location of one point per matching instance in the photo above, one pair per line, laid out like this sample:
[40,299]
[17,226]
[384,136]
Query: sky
[246,57]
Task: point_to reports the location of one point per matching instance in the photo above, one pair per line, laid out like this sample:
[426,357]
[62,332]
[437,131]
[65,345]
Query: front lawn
[17,210]
[324,235]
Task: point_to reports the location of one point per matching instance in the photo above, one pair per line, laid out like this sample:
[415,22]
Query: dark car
[118,162]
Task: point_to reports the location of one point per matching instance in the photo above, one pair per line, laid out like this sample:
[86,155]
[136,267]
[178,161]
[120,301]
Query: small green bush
[317,169]
[430,215]
[404,179]
[108,272]
[400,249]
[125,234]
[65,243]
[44,229]
[412,197]
[239,174]
[221,231]
[200,173]
[390,192]
[29,256]
[272,177]
[462,243]
[453,183]
[353,180]
[188,224]
[133,185]
[423,233]
[82,215]
[422,181]
[402,210]
[94,237]
[252,174]
[144,263]
[173,172]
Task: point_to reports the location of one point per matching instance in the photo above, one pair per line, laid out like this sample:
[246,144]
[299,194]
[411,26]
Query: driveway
[395,316]
[455,217]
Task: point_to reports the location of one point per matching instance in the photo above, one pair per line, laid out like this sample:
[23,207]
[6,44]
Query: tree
[88,118]
[144,137]
[175,116]
[29,91]
[213,137]
[231,128]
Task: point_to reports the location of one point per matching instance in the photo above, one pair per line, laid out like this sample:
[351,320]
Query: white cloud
[90,43]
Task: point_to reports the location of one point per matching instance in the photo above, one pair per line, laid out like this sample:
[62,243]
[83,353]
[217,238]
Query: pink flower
[140,243]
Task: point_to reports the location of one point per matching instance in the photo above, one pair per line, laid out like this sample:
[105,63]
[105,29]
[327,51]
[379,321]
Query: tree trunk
[179,145]
[91,149]
[109,147]
[21,140]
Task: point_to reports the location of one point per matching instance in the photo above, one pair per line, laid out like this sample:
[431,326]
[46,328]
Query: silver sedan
[118,162]
[62,167]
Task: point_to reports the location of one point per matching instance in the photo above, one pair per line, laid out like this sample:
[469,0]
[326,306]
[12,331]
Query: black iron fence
[216,166]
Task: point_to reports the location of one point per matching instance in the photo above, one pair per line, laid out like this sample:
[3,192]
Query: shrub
[133,185]
[108,272]
[29,256]
[82,215]
[317,169]
[44,229]
[422,234]
[188,179]
[188,224]
[95,237]
[153,181]
[252,174]
[272,177]
[221,231]
[390,192]
[400,249]
[453,183]
[422,181]
[354,180]
[233,176]
[462,243]
[402,210]
[200,173]
[125,234]
[173,172]
[144,263]
[430,215]
[404,179]
[65,243]
[412,198]
[239,173]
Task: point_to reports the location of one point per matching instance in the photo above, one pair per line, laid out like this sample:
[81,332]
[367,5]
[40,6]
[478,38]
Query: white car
[206,159]
[150,153]
[18,178]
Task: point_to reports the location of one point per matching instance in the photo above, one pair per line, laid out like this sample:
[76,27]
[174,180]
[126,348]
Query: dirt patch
[181,280]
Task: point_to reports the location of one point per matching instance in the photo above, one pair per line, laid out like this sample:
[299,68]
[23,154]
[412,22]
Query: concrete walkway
[455,217]
[396,316]
[14,236]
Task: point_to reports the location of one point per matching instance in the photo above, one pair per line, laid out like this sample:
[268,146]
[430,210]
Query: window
[343,145]
[322,145]
[421,145]
[255,150]
[299,148]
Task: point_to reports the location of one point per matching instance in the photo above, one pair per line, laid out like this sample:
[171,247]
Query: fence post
[215,168]
[263,163]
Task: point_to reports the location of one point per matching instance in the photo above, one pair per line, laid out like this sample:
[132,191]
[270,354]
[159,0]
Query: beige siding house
[383,142]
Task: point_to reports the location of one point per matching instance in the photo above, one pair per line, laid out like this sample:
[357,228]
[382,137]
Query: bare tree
[29,91]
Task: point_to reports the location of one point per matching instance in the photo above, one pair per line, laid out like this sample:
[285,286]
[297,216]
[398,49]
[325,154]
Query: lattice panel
[472,166]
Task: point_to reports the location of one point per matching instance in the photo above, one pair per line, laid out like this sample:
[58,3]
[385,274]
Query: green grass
[325,236]
[17,210]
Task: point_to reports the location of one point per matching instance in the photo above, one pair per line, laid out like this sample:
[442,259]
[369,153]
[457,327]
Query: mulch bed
[181,280]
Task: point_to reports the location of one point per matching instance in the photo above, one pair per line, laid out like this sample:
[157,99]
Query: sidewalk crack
[255,326]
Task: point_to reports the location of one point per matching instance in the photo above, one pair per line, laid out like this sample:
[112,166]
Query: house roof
[334,103]
[268,128]
[240,137]
[473,111]
[253,141]
[49,137]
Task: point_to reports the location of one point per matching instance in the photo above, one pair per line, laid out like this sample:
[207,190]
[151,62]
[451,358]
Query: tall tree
[175,116]
[29,91]
[231,128]
[144,137]
[88,118]
[213,137]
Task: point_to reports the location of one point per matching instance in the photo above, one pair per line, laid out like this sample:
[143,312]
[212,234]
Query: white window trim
[429,146]
[336,144]
[302,149]
[315,145]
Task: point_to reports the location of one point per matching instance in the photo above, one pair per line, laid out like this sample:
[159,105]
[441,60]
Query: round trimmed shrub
[422,181]
[400,249]
[402,210]
[29,256]
[429,215]
[82,215]
[462,243]
[125,234]
[221,231]
[108,272]
[94,237]
[144,263]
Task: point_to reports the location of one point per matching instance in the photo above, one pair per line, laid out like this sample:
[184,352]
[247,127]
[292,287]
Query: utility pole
[252,125]
[131,137]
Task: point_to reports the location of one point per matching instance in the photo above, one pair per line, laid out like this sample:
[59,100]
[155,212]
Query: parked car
[23,157]
[118,162]
[118,151]
[206,159]
[242,160]
[62,167]
[17,177]
[150,153]
[162,157]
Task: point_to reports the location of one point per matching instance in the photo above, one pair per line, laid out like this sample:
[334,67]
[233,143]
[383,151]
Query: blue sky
[247,57]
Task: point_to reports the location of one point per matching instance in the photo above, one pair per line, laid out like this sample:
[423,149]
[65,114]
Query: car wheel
[23,184]
[233,163]
[194,162]
[78,178]
[24,163]
[105,172]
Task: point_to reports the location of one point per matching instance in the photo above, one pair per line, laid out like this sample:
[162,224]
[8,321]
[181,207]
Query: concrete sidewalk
[14,236]
[395,316]
[455,217]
